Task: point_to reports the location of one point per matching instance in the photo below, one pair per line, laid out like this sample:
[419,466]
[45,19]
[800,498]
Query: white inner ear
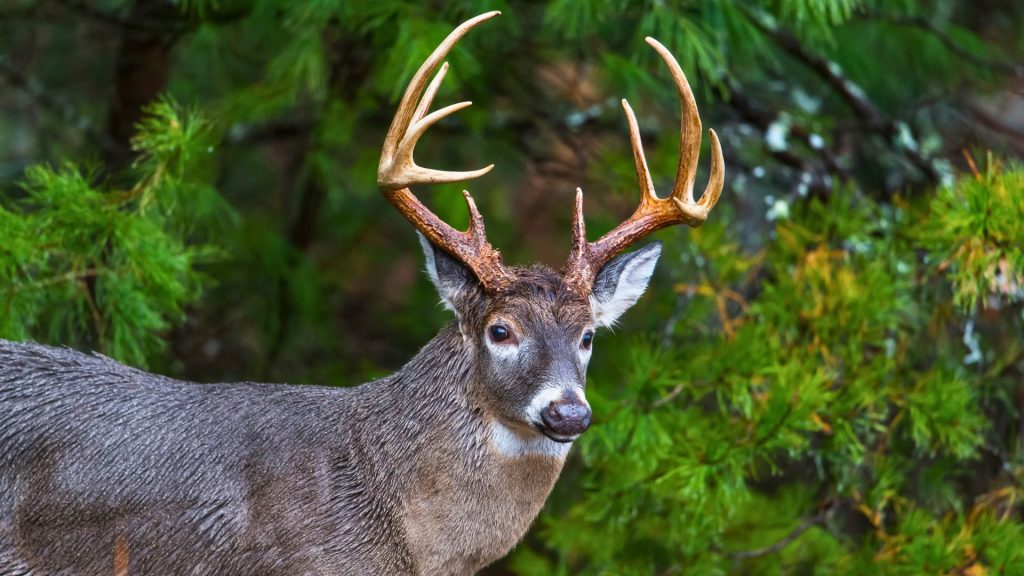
[431,266]
[629,287]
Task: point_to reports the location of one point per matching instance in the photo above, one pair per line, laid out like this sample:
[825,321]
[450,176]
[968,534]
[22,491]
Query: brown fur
[103,467]
[457,529]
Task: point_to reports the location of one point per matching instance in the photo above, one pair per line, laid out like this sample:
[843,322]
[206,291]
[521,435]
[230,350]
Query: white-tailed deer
[437,469]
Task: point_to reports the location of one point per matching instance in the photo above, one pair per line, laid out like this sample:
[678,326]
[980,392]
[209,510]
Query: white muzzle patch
[514,444]
[549,395]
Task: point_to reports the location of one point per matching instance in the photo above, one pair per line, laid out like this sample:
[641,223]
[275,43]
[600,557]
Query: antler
[398,170]
[653,213]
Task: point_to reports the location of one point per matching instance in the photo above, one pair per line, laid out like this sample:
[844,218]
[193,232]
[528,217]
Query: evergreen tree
[825,378]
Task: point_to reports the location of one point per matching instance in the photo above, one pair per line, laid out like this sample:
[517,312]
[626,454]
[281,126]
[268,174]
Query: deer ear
[455,283]
[621,282]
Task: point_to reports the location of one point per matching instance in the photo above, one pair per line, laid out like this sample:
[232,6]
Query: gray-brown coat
[437,469]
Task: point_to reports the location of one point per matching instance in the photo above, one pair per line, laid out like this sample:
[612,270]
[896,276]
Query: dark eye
[588,338]
[499,333]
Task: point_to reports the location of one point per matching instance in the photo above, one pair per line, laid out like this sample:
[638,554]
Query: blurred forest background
[826,378]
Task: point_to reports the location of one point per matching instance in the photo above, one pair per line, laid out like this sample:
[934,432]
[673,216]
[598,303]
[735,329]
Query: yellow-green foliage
[833,401]
[823,379]
[976,230]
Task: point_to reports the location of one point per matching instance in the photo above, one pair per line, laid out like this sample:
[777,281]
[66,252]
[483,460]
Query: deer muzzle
[565,419]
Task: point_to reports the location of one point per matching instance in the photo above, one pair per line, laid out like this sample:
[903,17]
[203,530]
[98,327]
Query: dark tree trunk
[141,71]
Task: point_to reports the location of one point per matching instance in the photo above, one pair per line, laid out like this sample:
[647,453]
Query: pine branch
[848,90]
[755,113]
[855,97]
[872,117]
[786,540]
[1001,67]
[134,22]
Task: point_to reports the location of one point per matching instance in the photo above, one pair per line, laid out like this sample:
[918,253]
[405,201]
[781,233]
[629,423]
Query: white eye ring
[501,340]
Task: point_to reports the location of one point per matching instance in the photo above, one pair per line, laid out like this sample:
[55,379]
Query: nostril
[553,413]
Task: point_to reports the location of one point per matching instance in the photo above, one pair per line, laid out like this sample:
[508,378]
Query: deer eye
[499,333]
[588,338]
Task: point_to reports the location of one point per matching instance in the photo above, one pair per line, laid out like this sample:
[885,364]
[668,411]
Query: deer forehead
[533,318]
[535,301]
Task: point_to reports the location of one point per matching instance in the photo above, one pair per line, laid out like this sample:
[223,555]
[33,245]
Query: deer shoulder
[439,468]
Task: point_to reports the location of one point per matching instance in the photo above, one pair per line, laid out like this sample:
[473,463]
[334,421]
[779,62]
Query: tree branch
[1015,70]
[756,114]
[786,540]
[855,97]
[985,119]
[847,89]
[134,22]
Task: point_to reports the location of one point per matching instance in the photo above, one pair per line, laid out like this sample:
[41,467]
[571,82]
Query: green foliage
[977,233]
[109,269]
[827,390]
[823,379]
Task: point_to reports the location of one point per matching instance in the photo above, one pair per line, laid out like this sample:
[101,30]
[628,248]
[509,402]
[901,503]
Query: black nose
[566,417]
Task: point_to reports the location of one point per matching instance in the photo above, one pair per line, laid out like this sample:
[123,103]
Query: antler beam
[398,170]
[653,213]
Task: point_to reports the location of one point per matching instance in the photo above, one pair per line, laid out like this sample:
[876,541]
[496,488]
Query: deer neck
[435,402]
[468,485]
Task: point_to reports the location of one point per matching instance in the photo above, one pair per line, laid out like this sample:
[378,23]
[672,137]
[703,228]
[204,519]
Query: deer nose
[566,417]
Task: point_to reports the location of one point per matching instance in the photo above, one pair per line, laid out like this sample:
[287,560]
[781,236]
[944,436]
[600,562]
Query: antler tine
[406,108]
[578,256]
[689,126]
[643,173]
[428,96]
[690,137]
[398,170]
[653,213]
[716,181]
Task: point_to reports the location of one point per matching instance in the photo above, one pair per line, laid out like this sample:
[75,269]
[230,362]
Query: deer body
[437,469]
[255,479]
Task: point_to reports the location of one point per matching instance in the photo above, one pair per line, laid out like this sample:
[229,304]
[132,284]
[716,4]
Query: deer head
[531,328]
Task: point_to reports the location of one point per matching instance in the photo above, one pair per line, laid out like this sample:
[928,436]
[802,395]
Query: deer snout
[566,418]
